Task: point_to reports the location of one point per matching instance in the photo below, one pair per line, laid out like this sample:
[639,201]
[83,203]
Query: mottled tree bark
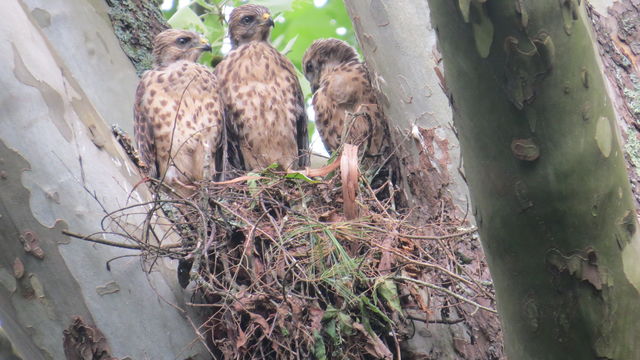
[399,45]
[66,78]
[618,37]
[546,174]
[410,91]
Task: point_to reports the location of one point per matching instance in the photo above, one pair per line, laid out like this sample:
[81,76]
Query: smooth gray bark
[65,80]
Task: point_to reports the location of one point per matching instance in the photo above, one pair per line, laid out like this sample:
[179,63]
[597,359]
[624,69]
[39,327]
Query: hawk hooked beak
[269,21]
[204,44]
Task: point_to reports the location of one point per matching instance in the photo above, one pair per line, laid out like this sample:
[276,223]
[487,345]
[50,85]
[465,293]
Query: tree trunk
[546,175]
[412,98]
[398,43]
[617,27]
[66,78]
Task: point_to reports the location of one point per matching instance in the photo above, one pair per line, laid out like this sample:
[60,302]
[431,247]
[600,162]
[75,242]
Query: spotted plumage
[343,95]
[267,122]
[178,112]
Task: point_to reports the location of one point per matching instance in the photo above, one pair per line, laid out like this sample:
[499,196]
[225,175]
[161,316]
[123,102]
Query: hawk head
[249,23]
[323,54]
[173,45]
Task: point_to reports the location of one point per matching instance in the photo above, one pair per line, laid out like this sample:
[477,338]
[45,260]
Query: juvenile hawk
[178,112]
[262,96]
[343,95]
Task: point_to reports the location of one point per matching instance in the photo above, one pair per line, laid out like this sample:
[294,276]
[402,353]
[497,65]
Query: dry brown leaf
[84,342]
[320,172]
[329,216]
[374,346]
[349,172]
[258,319]
[236,180]
[386,259]
[241,339]
[315,314]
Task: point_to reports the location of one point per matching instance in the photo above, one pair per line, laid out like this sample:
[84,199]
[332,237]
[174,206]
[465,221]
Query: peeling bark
[618,39]
[60,168]
[80,34]
[410,91]
[399,46]
[547,176]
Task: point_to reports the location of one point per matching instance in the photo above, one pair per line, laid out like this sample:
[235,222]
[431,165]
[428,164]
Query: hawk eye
[247,20]
[309,67]
[183,40]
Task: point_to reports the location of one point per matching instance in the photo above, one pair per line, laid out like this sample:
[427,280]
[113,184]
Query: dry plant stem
[426,264]
[452,259]
[272,248]
[385,209]
[227,272]
[321,172]
[199,335]
[246,221]
[173,130]
[440,268]
[238,180]
[443,237]
[92,194]
[120,245]
[446,291]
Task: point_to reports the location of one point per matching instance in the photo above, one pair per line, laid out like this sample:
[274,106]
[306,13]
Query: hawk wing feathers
[265,107]
[178,113]
[143,130]
[344,100]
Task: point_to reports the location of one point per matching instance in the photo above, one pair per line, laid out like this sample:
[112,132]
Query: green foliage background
[298,24]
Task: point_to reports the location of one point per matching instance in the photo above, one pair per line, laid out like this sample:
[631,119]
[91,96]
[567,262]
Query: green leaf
[300,176]
[388,290]
[276,6]
[277,41]
[304,20]
[268,169]
[205,58]
[330,313]
[331,329]
[304,84]
[311,127]
[215,31]
[366,304]
[172,10]
[187,19]
[205,5]
[289,45]
[345,324]
[319,349]
[253,184]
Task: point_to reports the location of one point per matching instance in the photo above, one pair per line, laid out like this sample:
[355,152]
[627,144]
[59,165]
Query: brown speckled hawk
[341,87]
[262,96]
[178,112]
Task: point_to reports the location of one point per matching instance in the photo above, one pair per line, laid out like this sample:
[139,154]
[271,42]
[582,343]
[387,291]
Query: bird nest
[279,272]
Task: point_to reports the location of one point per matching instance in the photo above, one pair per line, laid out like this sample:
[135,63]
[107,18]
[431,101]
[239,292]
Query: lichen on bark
[136,23]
